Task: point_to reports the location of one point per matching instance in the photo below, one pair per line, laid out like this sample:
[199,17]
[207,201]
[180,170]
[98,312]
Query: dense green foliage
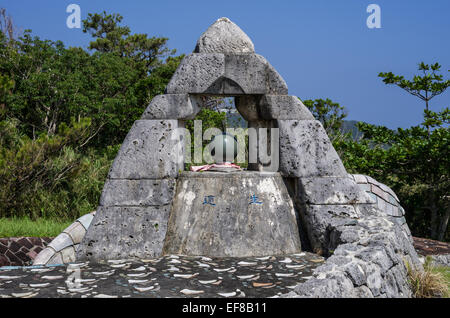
[65,111]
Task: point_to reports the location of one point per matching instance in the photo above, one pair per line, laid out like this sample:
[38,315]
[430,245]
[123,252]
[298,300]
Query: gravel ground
[169,276]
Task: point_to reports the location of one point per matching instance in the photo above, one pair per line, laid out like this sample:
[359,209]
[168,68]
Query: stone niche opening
[243,120]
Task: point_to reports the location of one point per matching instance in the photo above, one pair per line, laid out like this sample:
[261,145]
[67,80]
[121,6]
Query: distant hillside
[350,126]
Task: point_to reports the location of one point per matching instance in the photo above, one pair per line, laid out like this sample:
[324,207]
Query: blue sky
[322,48]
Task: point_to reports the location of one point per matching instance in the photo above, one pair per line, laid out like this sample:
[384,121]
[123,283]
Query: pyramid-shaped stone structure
[137,203]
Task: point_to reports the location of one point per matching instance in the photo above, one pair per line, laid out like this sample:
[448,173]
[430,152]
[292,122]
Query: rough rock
[232,215]
[283,107]
[306,150]
[125,232]
[171,106]
[143,192]
[219,74]
[196,73]
[223,36]
[331,190]
[152,149]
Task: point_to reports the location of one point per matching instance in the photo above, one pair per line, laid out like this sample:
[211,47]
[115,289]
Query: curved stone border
[62,249]
[386,200]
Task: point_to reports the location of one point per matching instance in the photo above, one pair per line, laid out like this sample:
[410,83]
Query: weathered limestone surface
[125,232]
[150,150]
[219,74]
[306,151]
[131,220]
[368,259]
[171,106]
[368,250]
[283,107]
[196,73]
[231,222]
[223,36]
[331,190]
[143,192]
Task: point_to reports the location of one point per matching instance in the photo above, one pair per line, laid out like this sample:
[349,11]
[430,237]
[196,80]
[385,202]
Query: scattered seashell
[138,274]
[284,274]
[79,290]
[52,277]
[104,296]
[255,284]
[263,258]
[207,281]
[174,261]
[223,269]
[23,295]
[232,294]
[138,269]
[118,265]
[137,281]
[317,260]
[191,292]
[41,270]
[143,289]
[286,260]
[202,264]
[217,283]
[110,272]
[39,285]
[87,280]
[185,275]
[246,276]
[299,254]
[10,277]
[242,263]
[295,266]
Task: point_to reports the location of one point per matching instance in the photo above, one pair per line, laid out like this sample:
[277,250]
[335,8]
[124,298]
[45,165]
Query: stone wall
[368,253]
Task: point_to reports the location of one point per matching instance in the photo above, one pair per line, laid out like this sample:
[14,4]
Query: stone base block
[125,233]
[234,214]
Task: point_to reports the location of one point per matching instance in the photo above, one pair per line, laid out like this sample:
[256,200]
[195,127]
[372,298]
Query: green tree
[415,164]
[65,111]
[330,114]
[425,86]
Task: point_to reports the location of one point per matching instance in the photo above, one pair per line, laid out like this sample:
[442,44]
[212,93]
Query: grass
[444,271]
[432,282]
[14,227]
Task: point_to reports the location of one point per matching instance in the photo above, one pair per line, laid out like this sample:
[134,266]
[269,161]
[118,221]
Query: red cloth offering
[215,165]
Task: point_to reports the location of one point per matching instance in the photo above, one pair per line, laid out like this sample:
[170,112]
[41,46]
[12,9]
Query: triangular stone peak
[223,36]
[149,206]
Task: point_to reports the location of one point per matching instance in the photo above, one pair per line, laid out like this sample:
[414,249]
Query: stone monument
[150,207]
